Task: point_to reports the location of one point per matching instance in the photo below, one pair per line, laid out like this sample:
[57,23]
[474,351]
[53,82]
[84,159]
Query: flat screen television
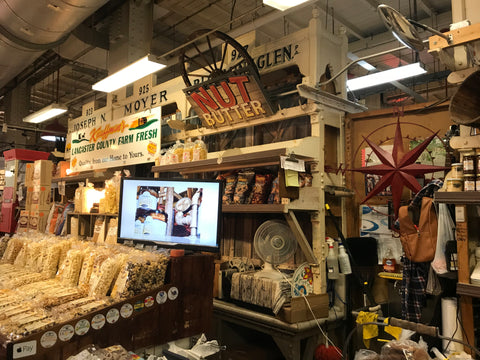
[180,213]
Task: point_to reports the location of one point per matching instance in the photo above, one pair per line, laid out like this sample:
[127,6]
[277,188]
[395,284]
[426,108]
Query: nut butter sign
[104,143]
[229,100]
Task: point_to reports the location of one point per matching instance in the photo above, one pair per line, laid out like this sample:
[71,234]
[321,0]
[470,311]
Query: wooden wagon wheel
[206,57]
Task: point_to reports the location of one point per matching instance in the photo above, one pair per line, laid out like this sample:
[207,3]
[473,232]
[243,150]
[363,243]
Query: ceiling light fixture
[137,70]
[46,113]
[283,4]
[382,77]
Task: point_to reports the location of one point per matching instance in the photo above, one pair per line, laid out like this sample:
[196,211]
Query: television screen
[172,213]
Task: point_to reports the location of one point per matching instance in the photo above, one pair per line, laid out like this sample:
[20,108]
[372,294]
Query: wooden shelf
[257,159]
[92,176]
[468,290]
[265,208]
[458,198]
[91,214]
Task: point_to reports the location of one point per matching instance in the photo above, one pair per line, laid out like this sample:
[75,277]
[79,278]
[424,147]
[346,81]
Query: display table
[288,337]
[180,308]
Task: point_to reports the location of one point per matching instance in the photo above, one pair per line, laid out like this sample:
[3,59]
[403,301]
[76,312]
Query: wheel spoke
[211,53]
[202,55]
[224,54]
[242,61]
[197,63]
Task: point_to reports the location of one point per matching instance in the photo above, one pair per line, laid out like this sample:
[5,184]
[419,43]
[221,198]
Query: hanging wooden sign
[229,100]
[232,91]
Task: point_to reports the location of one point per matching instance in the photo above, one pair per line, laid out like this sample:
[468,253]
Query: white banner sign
[134,139]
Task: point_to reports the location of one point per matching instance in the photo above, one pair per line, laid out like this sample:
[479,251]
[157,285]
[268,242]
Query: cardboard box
[42,172]
[28,198]
[40,195]
[298,310]
[29,174]
[61,169]
[22,225]
[37,220]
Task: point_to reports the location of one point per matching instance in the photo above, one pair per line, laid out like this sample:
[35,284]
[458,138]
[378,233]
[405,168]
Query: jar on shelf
[477,159]
[469,182]
[454,184]
[469,162]
[457,170]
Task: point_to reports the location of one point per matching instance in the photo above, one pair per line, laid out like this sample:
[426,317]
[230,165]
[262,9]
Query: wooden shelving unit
[468,290]
[87,222]
[257,159]
[458,198]
[462,200]
[93,176]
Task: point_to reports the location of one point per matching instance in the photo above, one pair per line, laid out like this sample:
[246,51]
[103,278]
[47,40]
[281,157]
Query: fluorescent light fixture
[46,113]
[283,4]
[382,77]
[50,137]
[367,66]
[137,70]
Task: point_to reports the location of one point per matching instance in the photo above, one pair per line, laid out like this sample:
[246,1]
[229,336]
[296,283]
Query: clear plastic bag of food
[199,150]
[11,251]
[364,354]
[129,280]
[403,350]
[70,269]
[3,244]
[103,280]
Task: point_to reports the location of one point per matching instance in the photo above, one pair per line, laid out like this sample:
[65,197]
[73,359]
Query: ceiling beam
[373,4]
[427,7]
[351,29]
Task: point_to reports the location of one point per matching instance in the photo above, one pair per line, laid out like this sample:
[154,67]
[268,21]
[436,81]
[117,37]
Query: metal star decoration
[398,169]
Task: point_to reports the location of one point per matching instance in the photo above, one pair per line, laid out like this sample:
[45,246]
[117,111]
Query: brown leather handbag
[419,242]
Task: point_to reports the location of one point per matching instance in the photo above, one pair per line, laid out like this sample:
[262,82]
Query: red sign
[228,101]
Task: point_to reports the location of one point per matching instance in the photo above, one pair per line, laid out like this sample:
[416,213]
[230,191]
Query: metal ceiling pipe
[28,28]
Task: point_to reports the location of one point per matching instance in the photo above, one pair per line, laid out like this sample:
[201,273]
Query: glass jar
[469,160]
[469,182]
[457,170]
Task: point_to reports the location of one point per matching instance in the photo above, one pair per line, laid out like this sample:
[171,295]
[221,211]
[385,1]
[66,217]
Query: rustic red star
[398,169]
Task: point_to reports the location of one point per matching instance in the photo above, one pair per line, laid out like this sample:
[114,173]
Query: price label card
[61,188]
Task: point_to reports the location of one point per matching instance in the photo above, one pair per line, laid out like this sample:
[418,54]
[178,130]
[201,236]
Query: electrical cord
[327,339]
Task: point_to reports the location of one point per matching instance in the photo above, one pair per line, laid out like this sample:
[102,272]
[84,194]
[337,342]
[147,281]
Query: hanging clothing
[415,274]
[414,285]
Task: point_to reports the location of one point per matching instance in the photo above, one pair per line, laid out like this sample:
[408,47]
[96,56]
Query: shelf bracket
[301,238]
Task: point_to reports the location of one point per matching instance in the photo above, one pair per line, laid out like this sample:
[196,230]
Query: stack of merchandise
[47,280]
[38,181]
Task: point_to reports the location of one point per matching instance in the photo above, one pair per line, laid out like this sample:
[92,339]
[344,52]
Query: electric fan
[274,243]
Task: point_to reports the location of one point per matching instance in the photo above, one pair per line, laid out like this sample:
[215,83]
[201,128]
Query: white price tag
[61,188]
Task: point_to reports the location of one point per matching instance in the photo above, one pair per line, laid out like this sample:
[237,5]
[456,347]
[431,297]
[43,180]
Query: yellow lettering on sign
[242,112]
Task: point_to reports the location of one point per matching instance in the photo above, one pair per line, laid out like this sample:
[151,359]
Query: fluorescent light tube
[46,113]
[283,4]
[137,70]
[382,77]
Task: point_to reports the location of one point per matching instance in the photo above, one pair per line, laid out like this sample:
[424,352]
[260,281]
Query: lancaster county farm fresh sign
[229,100]
[106,143]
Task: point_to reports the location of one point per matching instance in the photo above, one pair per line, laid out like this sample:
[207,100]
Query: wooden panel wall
[417,121]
